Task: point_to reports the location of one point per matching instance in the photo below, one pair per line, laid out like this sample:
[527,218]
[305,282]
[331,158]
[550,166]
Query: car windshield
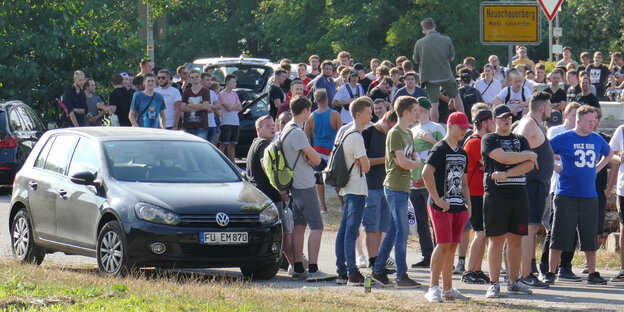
[167,161]
[248,76]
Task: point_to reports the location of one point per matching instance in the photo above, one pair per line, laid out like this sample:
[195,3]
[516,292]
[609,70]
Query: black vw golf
[135,197]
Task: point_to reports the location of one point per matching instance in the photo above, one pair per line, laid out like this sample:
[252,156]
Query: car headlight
[269,215]
[151,213]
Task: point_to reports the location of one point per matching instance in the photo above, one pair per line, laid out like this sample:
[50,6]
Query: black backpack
[336,173]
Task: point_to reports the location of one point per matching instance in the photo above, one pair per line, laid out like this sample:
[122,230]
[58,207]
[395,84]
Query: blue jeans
[348,233]
[200,132]
[398,230]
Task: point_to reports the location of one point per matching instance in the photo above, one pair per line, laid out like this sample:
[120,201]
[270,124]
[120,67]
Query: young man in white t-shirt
[172,96]
[488,86]
[514,96]
[617,145]
[347,94]
[206,80]
[354,193]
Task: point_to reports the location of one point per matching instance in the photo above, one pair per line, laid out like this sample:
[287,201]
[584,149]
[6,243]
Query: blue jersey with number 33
[579,157]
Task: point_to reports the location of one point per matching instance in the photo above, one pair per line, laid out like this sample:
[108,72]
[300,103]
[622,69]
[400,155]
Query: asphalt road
[563,295]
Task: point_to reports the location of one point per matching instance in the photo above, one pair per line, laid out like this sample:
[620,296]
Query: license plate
[223,238]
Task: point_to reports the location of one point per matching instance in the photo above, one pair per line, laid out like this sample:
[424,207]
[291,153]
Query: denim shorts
[376,214]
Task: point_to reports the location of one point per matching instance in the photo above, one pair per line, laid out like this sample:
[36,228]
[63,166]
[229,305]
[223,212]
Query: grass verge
[52,288]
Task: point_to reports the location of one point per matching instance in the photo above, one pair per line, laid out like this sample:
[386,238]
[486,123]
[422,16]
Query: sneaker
[406,282]
[493,291]
[459,268]
[360,262]
[585,269]
[356,279]
[324,210]
[284,264]
[566,274]
[319,276]
[619,278]
[382,279]
[300,276]
[305,262]
[519,288]
[342,279]
[483,276]
[452,294]
[434,294]
[291,270]
[596,279]
[424,263]
[390,263]
[470,277]
[532,281]
[534,267]
[549,278]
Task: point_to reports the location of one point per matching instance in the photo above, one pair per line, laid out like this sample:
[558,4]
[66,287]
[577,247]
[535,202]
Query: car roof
[232,60]
[128,133]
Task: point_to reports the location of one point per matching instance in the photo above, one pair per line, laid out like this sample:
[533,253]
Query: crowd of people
[465,150]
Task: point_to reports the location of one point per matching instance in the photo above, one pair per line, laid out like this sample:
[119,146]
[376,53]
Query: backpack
[469,97]
[274,163]
[336,173]
[509,94]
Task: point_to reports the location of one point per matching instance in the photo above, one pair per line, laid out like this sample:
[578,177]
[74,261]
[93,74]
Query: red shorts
[447,226]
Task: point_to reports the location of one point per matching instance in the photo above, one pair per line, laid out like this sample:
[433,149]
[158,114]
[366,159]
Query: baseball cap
[482,115]
[424,102]
[353,72]
[465,77]
[358,66]
[501,110]
[460,119]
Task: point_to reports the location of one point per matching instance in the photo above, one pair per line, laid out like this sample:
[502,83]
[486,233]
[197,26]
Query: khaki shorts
[433,89]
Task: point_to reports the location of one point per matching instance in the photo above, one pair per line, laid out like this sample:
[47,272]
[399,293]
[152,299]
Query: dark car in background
[20,128]
[137,197]
[253,76]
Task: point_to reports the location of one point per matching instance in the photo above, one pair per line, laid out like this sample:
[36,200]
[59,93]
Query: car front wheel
[261,273]
[111,250]
[22,240]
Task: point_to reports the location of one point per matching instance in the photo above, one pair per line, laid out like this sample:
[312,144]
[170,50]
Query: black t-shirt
[450,166]
[275,92]
[120,98]
[376,93]
[589,99]
[375,143]
[255,173]
[598,77]
[312,76]
[74,100]
[558,96]
[602,176]
[366,82]
[510,187]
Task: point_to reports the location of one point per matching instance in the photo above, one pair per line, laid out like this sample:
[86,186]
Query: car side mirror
[84,178]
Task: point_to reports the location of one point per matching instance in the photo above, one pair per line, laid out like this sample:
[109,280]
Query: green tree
[42,43]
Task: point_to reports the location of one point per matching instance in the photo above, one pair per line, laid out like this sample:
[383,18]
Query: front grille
[209,220]
[245,250]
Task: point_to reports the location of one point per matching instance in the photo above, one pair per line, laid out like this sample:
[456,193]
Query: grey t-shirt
[433,53]
[93,110]
[296,140]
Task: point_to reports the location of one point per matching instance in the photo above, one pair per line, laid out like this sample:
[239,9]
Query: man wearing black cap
[347,94]
[507,158]
[362,79]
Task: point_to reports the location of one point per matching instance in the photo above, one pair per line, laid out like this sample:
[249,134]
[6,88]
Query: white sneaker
[320,276]
[434,294]
[390,264]
[361,262]
[493,291]
[291,270]
[453,294]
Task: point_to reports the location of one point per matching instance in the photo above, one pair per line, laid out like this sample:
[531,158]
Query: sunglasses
[194,77]
[161,77]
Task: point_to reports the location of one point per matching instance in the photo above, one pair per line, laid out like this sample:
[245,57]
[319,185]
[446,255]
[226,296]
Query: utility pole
[150,32]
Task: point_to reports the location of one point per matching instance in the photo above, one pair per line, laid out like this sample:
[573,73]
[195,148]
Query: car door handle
[62,193]
[33,185]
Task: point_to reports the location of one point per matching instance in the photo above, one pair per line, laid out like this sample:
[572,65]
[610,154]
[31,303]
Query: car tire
[112,258]
[261,273]
[23,241]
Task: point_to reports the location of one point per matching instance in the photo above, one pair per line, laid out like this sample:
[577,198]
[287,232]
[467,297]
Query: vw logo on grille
[222,219]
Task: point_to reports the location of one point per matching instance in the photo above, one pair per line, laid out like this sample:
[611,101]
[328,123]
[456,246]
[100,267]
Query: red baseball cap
[460,119]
